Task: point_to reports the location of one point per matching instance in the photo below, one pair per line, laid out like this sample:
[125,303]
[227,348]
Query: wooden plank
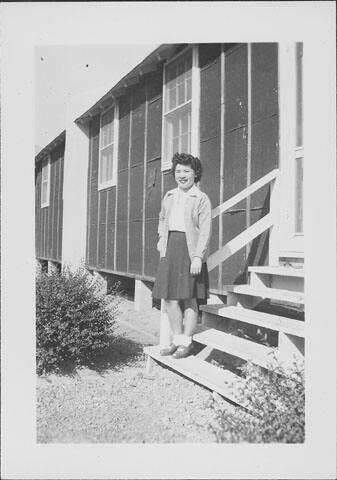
[275,270]
[247,350]
[216,379]
[261,319]
[273,293]
[244,193]
[239,242]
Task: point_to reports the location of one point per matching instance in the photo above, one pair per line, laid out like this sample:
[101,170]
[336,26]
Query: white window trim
[195,105]
[299,153]
[289,240]
[113,181]
[47,202]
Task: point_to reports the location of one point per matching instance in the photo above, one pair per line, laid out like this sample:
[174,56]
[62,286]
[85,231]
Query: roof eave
[148,65]
[61,138]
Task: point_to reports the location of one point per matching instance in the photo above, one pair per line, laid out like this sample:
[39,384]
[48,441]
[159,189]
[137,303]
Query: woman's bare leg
[175,316]
[190,316]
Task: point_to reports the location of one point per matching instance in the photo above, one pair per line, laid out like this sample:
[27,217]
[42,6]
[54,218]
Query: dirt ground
[124,404]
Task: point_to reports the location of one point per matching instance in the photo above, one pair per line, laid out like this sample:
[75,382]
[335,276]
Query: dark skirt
[174,280]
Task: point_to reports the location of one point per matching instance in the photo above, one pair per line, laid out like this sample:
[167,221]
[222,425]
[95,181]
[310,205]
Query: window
[299,150]
[108,145]
[45,183]
[180,122]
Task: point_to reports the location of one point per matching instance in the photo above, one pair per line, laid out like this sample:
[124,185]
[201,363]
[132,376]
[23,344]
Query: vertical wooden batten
[222,153]
[89,193]
[144,180]
[59,209]
[129,173]
[108,194]
[116,178]
[249,136]
[195,139]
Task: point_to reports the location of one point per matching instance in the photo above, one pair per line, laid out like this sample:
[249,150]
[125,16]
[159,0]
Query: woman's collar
[194,191]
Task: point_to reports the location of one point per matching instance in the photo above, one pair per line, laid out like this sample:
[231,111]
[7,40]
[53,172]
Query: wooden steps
[224,382]
[288,296]
[281,290]
[278,270]
[239,347]
[265,320]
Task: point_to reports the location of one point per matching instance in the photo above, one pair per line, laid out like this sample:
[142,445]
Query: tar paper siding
[122,220]
[238,144]
[49,220]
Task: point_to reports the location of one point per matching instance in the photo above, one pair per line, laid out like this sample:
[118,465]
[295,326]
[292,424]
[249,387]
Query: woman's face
[184,176]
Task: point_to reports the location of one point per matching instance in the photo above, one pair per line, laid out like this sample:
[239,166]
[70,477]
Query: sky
[64,71]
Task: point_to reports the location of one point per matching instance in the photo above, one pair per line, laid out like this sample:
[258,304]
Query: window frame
[113,181]
[47,201]
[298,149]
[194,101]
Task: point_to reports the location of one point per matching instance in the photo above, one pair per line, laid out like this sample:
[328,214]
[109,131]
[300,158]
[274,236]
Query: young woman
[184,235]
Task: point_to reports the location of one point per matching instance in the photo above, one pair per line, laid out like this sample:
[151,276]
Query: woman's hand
[159,244]
[195,266]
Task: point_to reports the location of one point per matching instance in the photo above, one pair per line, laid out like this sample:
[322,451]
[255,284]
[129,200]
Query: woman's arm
[161,224]
[205,226]
[162,214]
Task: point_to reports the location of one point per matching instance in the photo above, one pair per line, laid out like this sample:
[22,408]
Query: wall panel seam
[222,151]
[249,136]
[129,180]
[144,180]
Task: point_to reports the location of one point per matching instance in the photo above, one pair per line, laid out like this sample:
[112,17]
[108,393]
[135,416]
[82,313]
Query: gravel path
[124,404]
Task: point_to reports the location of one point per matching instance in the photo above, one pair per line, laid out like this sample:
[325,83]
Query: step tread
[265,292]
[278,270]
[239,347]
[261,319]
[224,382]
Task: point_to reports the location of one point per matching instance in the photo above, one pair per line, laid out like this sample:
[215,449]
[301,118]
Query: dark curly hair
[190,161]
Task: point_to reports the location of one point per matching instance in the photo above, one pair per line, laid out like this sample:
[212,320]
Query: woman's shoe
[168,350]
[183,351]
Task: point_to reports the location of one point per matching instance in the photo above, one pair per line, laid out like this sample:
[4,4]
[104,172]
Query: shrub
[276,412]
[74,320]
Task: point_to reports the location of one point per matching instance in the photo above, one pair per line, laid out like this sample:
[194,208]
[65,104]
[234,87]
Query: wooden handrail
[245,193]
[239,241]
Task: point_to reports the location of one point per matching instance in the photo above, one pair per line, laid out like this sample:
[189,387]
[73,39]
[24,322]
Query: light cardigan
[197,218]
